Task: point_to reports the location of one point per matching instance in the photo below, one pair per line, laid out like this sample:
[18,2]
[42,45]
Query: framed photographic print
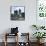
[17,12]
[41,12]
[41,8]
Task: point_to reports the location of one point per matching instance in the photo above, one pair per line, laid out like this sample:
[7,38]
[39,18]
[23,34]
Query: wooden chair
[27,37]
[8,34]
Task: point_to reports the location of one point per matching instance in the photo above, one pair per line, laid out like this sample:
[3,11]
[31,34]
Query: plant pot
[40,41]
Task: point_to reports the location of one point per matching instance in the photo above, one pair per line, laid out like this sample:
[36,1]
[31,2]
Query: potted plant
[39,35]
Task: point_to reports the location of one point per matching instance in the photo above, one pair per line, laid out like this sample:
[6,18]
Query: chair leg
[5,43]
[5,40]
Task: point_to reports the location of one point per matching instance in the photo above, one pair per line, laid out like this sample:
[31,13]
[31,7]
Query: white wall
[30,15]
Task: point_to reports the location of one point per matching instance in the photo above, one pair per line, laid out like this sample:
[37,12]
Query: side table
[8,34]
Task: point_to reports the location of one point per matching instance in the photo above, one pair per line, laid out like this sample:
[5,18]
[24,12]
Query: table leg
[5,40]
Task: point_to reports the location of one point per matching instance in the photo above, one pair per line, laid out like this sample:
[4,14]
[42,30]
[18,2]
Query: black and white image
[17,12]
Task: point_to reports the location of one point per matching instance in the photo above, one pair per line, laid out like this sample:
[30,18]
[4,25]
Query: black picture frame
[17,13]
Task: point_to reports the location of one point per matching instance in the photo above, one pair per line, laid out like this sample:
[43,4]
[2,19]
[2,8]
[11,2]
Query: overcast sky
[17,8]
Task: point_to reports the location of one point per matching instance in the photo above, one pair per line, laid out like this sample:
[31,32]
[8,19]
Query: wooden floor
[13,44]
